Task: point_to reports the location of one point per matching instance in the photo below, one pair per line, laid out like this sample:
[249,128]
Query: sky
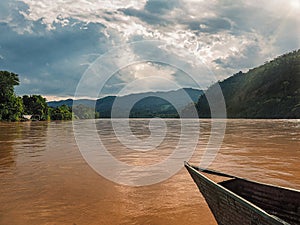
[128,46]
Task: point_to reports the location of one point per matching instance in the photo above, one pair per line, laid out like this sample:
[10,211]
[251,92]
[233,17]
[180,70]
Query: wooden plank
[229,208]
[284,203]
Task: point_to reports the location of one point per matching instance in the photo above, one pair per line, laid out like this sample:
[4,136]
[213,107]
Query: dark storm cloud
[209,25]
[160,6]
[10,14]
[153,11]
[50,62]
[4,10]
[11,8]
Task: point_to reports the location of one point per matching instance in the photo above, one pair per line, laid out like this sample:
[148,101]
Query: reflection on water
[7,155]
[31,135]
[44,179]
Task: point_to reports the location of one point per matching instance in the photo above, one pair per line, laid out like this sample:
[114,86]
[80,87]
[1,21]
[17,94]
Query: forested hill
[268,91]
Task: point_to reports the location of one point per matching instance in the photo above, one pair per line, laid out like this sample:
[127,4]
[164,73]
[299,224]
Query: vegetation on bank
[268,91]
[13,107]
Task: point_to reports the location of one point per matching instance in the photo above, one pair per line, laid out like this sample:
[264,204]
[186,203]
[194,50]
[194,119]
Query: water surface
[44,179]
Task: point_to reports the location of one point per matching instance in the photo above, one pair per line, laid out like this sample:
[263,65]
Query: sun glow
[295,4]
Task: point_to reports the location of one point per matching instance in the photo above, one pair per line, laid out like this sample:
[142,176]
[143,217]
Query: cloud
[240,59]
[101,11]
[57,40]
[51,61]
[209,25]
[161,6]
[127,78]
[145,16]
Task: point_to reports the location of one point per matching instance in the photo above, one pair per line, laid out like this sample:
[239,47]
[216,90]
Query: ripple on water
[44,179]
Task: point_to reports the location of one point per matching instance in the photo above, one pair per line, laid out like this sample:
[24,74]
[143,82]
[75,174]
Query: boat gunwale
[213,172]
[238,198]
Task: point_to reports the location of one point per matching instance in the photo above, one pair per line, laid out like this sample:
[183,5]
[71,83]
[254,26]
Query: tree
[36,105]
[63,112]
[11,106]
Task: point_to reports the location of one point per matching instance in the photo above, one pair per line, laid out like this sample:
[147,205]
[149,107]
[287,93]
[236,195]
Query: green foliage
[63,112]
[11,107]
[151,107]
[36,105]
[7,82]
[269,91]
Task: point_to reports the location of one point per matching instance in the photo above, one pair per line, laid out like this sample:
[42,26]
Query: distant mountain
[150,104]
[268,91]
[147,105]
[69,102]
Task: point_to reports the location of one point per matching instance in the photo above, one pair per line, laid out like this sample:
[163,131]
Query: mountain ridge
[147,104]
[271,90]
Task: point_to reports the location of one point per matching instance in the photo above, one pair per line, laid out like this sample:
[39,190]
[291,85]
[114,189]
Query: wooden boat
[239,201]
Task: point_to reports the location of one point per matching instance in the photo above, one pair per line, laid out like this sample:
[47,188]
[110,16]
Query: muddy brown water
[45,180]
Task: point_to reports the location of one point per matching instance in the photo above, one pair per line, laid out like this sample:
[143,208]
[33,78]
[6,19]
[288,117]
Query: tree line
[13,107]
[268,91]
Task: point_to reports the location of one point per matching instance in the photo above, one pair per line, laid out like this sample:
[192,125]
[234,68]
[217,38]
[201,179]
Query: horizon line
[51,98]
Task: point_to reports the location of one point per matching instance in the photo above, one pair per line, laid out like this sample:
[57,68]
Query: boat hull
[229,208]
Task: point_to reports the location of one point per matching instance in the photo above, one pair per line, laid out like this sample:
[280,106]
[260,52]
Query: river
[45,180]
